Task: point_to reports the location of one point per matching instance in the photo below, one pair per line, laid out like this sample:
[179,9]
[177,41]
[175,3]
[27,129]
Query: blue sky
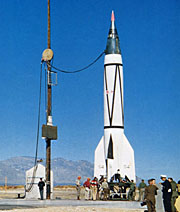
[149,38]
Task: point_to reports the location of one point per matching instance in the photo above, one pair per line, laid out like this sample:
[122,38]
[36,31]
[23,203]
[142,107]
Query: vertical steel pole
[48,141]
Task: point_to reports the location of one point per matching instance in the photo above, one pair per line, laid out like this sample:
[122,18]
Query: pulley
[47,55]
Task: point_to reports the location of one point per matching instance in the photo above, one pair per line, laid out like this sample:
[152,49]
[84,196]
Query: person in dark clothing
[131,190]
[41,185]
[150,192]
[117,176]
[167,193]
[141,188]
[174,193]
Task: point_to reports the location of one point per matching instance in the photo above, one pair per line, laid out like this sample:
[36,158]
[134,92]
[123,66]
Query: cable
[39,109]
[45,74]
[39,114]
[37,138]
[79,70]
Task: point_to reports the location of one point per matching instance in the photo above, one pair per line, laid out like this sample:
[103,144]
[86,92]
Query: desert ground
[61,193]
[73,209]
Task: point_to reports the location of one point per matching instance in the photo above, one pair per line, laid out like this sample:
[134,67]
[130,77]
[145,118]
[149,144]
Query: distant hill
[65,171]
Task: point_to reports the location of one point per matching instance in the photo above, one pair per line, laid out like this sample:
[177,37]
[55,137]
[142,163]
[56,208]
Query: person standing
[117,176]
[41,185]
[167,193]
[78,187]
[105,188]
[141,188]
[131,190]
[87,186]
[94,185]
[174,193]
[178,187]
[150,192]
[98,189]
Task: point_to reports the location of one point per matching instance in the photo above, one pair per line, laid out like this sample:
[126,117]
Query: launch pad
[64,205]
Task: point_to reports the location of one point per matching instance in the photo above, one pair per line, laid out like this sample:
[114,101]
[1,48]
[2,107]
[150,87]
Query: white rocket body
[114,150]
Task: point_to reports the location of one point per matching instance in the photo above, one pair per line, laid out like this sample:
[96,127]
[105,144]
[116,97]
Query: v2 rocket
[114,151]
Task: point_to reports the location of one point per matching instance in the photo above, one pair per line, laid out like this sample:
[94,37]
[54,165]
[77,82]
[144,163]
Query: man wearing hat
[167,193]
[150,192]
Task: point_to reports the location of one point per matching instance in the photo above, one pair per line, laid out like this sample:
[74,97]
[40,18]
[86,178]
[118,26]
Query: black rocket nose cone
[113,46]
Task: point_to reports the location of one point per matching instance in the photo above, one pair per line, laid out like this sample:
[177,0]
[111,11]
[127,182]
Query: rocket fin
[128,159]
[99,160]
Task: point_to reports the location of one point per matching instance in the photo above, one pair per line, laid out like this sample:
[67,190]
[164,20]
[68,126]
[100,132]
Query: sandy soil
[72,209]
[59,193]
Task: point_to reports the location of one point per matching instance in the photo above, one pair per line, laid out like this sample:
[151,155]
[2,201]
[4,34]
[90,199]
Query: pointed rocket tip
[112,16]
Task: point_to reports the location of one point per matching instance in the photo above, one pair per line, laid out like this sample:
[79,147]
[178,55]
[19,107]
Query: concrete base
[121,206]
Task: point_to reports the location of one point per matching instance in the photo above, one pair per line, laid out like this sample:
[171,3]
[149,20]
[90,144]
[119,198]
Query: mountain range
[64,171]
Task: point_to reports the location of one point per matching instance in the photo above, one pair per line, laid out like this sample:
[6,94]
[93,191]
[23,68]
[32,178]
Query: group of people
[99,189]
[94,189]
[170,192]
